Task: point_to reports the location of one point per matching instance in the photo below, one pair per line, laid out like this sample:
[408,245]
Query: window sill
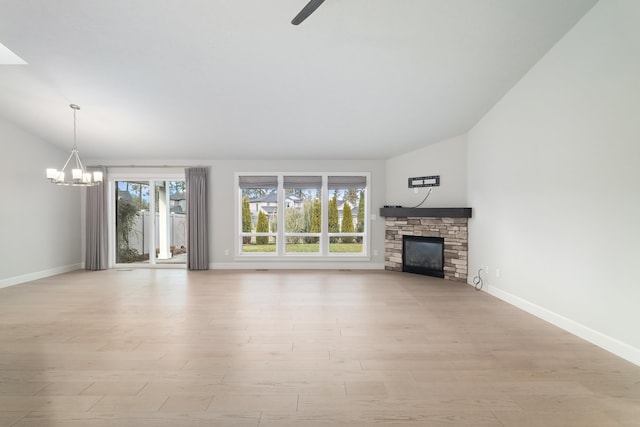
[302,257]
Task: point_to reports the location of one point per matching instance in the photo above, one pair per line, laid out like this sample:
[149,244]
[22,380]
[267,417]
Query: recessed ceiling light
[9,58]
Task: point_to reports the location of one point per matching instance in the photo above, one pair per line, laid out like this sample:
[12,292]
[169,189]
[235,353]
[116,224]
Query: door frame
[136,174]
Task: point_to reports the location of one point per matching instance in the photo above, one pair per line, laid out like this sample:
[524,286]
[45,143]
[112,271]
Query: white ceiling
[214,79]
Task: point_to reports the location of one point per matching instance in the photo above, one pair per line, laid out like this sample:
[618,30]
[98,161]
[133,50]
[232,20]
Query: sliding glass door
[150,222]
[171,222]
[132,222]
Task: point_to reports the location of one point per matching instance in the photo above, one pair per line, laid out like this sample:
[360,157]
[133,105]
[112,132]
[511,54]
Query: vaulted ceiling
[214,79]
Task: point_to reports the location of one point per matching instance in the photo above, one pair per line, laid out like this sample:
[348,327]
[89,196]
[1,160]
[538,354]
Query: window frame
[311,184]
[260,179]
[281,235]
[151,175]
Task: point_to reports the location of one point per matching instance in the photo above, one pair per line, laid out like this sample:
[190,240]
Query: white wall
[447,159]
[554,181]
[39,221]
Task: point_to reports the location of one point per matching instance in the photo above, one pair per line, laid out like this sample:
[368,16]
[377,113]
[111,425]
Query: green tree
[126,218]
[126,214]
[255,193]
[262,227]
[294,223]
[177,187]
[316,220]
[307,213]
[139,194]
[360,226]
[307,207]
[347,222]
[334,217]
[247,224]
[351,195]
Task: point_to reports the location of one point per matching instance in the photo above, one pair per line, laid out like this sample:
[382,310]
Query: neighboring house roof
[273,198]
[269,198]
[177,209]
[181,195]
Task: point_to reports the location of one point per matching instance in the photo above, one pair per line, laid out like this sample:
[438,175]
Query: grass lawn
[345,248]
[306,247]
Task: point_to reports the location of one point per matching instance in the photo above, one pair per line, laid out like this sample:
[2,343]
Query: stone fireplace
[450,224]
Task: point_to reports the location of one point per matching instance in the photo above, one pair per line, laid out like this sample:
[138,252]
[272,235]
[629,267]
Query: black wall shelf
[427,212]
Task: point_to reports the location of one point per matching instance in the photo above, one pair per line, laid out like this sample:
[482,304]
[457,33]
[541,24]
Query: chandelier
[79,176]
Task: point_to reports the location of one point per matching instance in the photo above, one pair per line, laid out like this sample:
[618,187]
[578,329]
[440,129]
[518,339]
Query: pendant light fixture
[79,176]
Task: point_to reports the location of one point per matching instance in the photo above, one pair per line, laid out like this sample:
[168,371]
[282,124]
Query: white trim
[604,341]
[286,265]
[11,281]
[139,265]
[296,257]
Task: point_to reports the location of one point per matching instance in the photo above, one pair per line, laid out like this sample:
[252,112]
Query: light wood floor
[300,348]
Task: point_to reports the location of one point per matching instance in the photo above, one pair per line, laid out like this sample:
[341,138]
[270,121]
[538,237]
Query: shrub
[347,222]
[360,226]
[316,220]
[262,227]
[294,220]
[247,224]
[334,217]
[126,217]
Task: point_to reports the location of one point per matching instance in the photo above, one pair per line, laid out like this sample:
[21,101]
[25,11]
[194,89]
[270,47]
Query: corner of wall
[446,158]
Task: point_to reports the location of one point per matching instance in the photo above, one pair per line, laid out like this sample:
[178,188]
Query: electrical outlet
[497,272]
[486,269]
[375,252]
[226,251]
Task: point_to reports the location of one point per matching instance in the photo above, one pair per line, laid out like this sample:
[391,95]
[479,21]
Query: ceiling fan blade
[306,11]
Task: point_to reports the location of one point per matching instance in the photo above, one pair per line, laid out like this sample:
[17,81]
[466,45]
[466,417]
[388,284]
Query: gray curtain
[197,219]
[96,226]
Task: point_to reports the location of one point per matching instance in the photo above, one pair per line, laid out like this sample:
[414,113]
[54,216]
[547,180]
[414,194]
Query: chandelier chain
[75,108]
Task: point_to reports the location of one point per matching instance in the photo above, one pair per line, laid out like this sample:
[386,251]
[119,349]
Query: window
[346,213]
[303,214]
[259,208]
[320,215]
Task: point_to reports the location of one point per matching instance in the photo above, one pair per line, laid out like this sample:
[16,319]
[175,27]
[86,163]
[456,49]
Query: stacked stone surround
[454,231]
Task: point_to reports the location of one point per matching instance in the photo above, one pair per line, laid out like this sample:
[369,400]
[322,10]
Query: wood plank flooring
[293,348]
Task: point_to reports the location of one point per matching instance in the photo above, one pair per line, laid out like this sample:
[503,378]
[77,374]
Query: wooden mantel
[427,212]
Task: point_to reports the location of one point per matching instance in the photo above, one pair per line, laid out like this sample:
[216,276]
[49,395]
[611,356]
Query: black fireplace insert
[423,255]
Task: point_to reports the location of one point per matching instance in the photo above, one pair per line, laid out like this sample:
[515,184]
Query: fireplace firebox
[423,255]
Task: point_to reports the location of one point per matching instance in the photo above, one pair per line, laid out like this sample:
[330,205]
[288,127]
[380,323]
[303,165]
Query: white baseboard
[271,265]
[11,281]
[606,342]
